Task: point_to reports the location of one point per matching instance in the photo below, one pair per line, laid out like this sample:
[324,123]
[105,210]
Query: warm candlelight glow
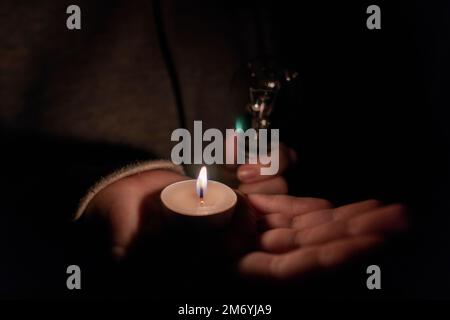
[185,208]
[202,182]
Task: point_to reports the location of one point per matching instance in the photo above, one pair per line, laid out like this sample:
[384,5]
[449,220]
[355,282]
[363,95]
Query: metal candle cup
[199,203]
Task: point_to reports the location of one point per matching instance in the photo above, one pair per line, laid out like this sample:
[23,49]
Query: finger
[388,219]
[275,220]
[391,218]
[288,205]
[311,219]
[350,210]
[273,186]
[124,228]
[316,218]
[248,173]
[279,240]
[299,262]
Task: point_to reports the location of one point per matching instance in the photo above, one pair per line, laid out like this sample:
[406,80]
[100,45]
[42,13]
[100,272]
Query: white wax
[181,197]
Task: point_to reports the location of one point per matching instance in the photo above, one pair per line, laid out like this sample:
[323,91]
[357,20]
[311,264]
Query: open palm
[301,235]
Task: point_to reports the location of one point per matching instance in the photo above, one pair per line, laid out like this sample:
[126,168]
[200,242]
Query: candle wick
[202,202]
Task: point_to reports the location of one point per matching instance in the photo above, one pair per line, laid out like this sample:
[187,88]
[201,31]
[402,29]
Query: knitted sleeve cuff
[122,173]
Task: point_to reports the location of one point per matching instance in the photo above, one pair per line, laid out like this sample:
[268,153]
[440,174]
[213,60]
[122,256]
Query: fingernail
[247,173]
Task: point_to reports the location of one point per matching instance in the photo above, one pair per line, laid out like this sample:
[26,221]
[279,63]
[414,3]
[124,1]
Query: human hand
[302,235]
[253,182]
[129,208]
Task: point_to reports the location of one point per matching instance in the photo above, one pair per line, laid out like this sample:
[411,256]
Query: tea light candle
[199,202]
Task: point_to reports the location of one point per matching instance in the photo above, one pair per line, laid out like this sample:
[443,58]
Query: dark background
[368,118]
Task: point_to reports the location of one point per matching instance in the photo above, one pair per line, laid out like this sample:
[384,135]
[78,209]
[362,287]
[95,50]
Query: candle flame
[202,182]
